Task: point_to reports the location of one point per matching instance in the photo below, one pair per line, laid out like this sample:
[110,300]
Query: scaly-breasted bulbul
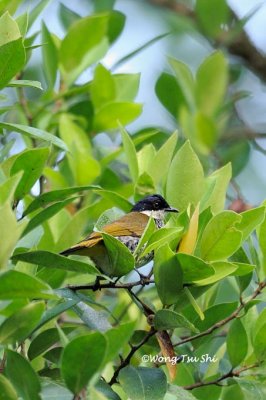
[128,229]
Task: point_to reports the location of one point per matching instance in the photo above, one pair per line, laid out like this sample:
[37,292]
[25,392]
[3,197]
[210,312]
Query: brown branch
[240,45]
[133,350]
[224,321]
[230,374]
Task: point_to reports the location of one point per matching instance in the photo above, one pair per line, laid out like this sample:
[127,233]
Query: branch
[241,46]
[111,285]
[133,350]
[230,374]
[224,321]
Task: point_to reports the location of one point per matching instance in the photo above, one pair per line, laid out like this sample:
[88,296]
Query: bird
[128,229]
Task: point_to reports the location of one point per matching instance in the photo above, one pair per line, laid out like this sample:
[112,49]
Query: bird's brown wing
[132,224]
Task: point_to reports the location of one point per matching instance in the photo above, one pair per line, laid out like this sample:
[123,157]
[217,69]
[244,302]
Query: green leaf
[259,343]
[251,219]
[15,284]
[148,231]
[116,198]
[116,23]
[8,187]
[9,30]
[45,214]
[211,82]
[23,376]
[194,269]
[102,87]
[35,133]
[131,154]
[143,383]
[51,260]
[21,323]
[212,16]
[161,237]
[194,303]
[55,195]
[25,83]
[126,86]
[214,314]
[220,238]
[117,338]
[163,157]
[110,115]
[185,81]
[121,261]
[168,275]
[216,199]
[12,60]
[95,320]
[168,319]
[237,343]
[67,16]
[185,180]
[180,393]
[32,163]
[82,358]
[49,57]
[169,93]
[23,21]
[45,341]
[76,54]
[221,270]
[11,231]
[7,391]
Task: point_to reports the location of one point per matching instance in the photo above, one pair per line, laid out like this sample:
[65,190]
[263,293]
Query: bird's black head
[154,202]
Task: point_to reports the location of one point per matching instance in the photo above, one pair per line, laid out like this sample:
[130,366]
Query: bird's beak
[171,209]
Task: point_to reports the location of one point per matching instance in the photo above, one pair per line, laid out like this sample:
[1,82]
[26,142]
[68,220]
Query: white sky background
[145,22]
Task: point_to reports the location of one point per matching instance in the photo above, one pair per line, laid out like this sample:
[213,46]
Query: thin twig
[111,285]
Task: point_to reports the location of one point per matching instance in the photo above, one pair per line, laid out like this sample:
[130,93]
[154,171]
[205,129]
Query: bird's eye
[156,205]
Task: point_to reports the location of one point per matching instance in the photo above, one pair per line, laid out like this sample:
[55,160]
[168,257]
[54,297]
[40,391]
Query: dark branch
[111,285]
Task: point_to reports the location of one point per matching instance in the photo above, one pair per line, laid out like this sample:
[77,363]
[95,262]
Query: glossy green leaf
[194,269]
[217,196]
[35,133]
[117,338]
[168,319]
[23,377]
[32,163]
[46,214]
[116,22]
[169,93]
[7,391]
[131,154]
[26,83]
[121,260]
[221,238]
[82,358]
[168,275]
[12,60]
[21,323]
[221,270]
[211,83]
[143,383]
[111,114]
[49,57]
[126,86]
[251,219]
[76,54]
[102,87]
[185,81]
[259,342]
[11,231]
[56,195]
[186,174]
[161,237]
[36,11]
[237,342]
[115,198]
[8,187]
[214,314]
[51,260]
[23,21]
[93,319]
[15,284]
[9,30]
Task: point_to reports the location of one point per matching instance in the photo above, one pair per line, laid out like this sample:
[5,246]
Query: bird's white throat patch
[156,214]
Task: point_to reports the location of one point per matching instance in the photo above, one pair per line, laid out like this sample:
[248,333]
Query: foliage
[62,335]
